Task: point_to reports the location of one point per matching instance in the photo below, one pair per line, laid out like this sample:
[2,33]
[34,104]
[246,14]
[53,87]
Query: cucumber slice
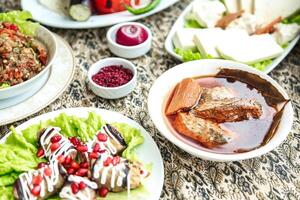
[80,12]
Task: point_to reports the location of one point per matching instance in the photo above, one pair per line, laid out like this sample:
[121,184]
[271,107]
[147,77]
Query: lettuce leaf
[20,18]
[4,85]
[6,193]
[294,18]
[188,55]
[190,23]
[262,65]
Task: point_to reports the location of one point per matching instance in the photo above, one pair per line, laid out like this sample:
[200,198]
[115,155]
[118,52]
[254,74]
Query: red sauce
[112,76]
[131,35]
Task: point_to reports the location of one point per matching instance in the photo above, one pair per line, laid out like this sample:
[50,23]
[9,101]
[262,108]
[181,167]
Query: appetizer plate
[180,24]
[148,152]
[51,18]
[167,81]
[61,74]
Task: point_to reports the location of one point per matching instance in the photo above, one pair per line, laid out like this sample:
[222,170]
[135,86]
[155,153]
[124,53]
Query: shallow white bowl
[47,38]
[128,51]
[166,82]
[112,92]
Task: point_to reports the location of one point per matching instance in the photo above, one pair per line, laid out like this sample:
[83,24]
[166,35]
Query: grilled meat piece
[216,93]
[208,133]
[186,95]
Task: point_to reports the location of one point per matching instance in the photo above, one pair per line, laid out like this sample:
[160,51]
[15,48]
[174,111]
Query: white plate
[148,152]
[61,74]
[180,24]
[51,18]
[167,81]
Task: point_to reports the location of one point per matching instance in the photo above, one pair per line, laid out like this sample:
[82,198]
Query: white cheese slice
[58,6]
[247,22]
[247,5]
[208,12]
[268,10]
[250,50]
[284,33]
[232,6]
[183,38]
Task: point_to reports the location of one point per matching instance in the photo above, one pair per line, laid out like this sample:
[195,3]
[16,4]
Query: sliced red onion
[131,35]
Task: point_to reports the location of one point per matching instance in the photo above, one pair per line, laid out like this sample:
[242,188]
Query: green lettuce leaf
[6,193]
[188,55]
[294,18]
[20,18]
[262,65]
[8,179]
[4,85]
[190,23]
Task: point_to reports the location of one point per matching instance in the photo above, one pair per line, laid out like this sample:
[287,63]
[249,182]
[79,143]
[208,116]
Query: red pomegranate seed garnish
[74,140]
[75,188]
[81,172]
[36,180]
[47,171]
[102,151]
[40,153]
[54,146]
[41,165]
[55,138]
[141,172]
[93,155]
[36,190]
[61,159]
[107,162]
[75,165]
[82,148]
[96,147]
[68,159]
[116,160]
[102,137]
[81,185]
[84,165]
[103,191]
[71,171]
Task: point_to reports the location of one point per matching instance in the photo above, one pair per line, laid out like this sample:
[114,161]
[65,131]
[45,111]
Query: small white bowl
[112,92]
[128,51]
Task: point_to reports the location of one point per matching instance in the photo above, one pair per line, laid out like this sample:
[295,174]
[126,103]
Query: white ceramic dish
[128,51]
[112,92]
[47,38]
[166,82]
[180,24]
[148,152]
[60,76]
[51,18]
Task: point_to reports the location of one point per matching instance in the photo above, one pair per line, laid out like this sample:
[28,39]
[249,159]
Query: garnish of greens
[18,152]
[294,18]
[138,11]
[4,85]
[22,20]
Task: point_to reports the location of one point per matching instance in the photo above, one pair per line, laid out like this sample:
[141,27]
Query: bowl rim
[48,65]
[117,26]
[112,59]
[215,156]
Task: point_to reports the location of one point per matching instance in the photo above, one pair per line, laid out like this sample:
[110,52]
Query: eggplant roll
[39,184]
[65,147]
[88,192]
[116,173]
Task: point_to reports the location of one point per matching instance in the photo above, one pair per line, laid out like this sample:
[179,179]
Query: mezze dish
[230,112]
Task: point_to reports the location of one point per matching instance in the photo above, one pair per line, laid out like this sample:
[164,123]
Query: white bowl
[112,92]
[169,79]
[128,51]
[47,38]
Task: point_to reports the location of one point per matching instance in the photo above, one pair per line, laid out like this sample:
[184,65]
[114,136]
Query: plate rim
[38,108]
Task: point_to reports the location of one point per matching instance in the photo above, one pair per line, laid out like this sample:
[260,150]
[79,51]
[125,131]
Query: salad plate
[60,76]
[181,23]
[51,18]
[146,151]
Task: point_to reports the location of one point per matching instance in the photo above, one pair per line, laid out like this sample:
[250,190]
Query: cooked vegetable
[139,11]
[79,10]
[110,6]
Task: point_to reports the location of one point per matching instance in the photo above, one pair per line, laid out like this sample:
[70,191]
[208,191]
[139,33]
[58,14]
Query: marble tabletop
[271,176]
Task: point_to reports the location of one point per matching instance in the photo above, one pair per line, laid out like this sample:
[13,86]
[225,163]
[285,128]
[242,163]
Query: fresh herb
[190,23]
[4,85]
[139,11]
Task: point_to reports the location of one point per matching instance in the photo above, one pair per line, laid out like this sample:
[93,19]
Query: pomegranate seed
[74,140]
[54,146]
[13,27]
[75,165]
[40,153]
[82,148]
[84,165]
[36,180]
[115,160]
[102,151]
[93,155]
[68,159]
[36,190]
[55,138]
[103,191]
[61,159]
[41,165]
[47,171]
[96,147]
[75,188]
[102,137]
[81,172]
[71,171]
[107,162]
[141,172]
[82,185]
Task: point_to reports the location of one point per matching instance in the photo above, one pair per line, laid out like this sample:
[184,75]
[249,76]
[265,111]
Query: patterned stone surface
[272,176]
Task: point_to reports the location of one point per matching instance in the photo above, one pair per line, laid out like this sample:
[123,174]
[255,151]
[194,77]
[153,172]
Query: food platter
[61,74]
[50,18]
[148,152]
[180,22]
